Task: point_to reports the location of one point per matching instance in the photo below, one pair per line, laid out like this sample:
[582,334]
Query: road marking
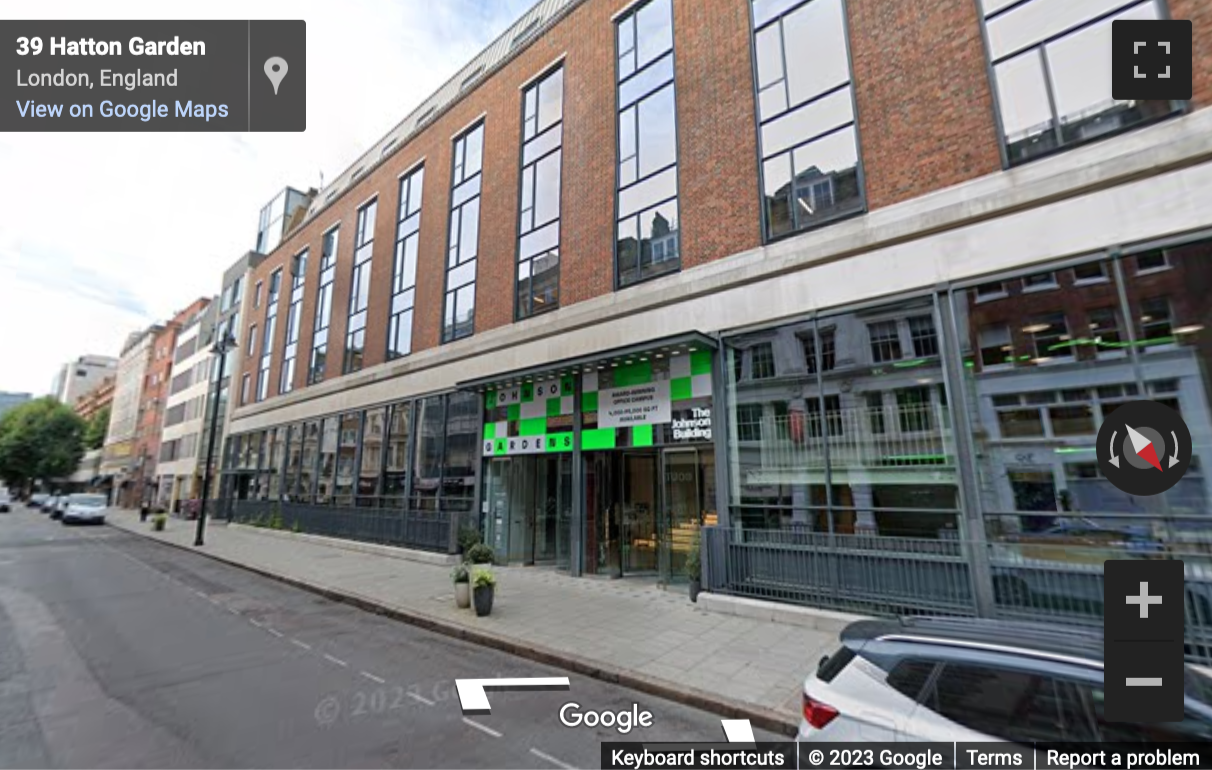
[474,700]
[297,643]
[551,759]
[373,678]
[331,659]
[233,610]
[274,631]
[482,728]
[422,699]
[202,594]
[256,623]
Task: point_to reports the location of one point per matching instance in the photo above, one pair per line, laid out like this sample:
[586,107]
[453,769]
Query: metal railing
[874,575]
[426,530]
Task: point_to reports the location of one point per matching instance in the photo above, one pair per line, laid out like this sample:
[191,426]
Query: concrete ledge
[776,612]
[395,552]
[767,719]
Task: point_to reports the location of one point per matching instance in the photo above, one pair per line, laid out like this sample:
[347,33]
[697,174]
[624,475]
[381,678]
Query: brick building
[644,266]
[96,400]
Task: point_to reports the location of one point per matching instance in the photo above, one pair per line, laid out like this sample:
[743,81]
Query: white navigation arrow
[738,730]
[1114,457]
[1174,456]
[1139,442]
[474,700]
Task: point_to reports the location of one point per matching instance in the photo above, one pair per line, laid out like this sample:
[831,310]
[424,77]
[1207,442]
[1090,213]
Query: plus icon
[1151,59]
[1144,600]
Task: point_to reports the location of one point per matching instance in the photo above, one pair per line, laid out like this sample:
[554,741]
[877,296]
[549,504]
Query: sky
[103,234]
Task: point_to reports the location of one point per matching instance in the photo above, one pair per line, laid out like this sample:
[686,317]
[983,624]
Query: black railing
[425,530]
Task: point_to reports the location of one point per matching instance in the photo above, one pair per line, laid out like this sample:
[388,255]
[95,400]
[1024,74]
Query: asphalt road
[120,652]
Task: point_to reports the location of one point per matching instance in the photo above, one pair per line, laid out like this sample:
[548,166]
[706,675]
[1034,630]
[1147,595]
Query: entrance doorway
[642,509]
[530,509]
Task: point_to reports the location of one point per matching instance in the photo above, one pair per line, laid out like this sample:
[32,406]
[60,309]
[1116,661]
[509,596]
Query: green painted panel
[536,426]
[515,412]
[567,385]
[681,388]
[553,407]
[500,447]
[598,438]
[490,430]
[527,392]
[700,362]
[490,399]
[559,442]
[635,374]
[641,435]
[589,402]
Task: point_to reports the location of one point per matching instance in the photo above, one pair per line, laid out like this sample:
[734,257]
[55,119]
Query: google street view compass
[1144,448]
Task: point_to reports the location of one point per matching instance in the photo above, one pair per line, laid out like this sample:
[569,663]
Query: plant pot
[696,586]
[483,599]
[463,595]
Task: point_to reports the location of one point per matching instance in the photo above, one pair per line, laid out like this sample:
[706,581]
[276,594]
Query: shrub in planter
[484,585]
[479,554]
[469,537]
[462,583]
[159,522]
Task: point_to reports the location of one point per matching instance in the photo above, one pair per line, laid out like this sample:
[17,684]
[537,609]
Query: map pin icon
[275,70]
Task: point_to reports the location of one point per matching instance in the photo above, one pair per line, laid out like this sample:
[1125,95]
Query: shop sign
[647,404]
[694,427]
[528,445]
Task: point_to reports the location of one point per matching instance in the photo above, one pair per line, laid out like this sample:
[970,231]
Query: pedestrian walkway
[625,631]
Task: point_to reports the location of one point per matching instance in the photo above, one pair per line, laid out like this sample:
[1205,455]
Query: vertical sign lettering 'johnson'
[638,405]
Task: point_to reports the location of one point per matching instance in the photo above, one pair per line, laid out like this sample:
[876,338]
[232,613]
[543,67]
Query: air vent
[525,32]
[467,81]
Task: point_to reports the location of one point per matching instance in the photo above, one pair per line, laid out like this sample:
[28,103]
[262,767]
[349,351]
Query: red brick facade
[926,122]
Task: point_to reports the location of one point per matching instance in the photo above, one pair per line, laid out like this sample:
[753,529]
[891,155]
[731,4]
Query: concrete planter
[462,595]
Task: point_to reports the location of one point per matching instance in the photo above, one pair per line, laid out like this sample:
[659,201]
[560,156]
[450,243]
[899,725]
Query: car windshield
[95,501]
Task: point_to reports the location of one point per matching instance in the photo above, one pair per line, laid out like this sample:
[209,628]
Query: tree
[94,432]
[41,439]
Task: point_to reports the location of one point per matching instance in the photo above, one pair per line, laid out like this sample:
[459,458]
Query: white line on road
[423,699]
[202,594]
[233,610]
[297,643]
[552,759]
[275,632]
[331,659]
[482,728]
[256,623]
[373,678]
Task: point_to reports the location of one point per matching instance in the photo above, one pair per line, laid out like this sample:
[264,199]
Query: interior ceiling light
[1036,328]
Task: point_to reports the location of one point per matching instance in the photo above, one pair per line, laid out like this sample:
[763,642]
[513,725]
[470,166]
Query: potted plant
[159,521]
[468,537]
[462,585]
[694,567]
[483,587]
[479,554]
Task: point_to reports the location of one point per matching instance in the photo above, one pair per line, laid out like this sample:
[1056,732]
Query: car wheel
[1011,590]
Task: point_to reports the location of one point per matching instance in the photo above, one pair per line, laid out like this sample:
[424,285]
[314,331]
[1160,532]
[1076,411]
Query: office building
[119,466]
[78,377]
[180,464]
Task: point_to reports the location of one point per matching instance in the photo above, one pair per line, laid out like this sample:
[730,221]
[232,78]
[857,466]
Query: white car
[85,509]
[951,679]
[6,501]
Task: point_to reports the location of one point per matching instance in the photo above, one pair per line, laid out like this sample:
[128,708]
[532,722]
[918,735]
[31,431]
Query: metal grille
[426,530]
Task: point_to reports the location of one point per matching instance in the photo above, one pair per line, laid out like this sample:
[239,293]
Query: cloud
[104,233]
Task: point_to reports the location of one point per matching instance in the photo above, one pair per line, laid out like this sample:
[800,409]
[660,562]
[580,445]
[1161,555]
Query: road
[116,651]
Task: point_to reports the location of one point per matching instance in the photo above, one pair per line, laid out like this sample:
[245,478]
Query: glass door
[639,522]
[496,526]
[682,512]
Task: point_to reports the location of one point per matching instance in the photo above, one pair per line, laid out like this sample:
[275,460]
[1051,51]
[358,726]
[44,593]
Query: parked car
[84,509]
[59,506]
[945,679]
[37,500]
[6,502]
[51,502]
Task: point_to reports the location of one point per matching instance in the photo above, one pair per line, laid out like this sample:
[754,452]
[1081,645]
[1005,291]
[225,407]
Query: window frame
[864,204]
[357,268]
[480,124]
[323,305]
[405,179]
[535,84]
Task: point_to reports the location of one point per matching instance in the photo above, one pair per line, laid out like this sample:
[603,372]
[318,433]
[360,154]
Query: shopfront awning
[667,347]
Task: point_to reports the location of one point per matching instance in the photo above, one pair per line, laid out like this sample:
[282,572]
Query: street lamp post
[221,348]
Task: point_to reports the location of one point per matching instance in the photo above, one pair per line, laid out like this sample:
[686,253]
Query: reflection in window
[349,432]
[404,266]
[294,312]
[319,342]
[1155,324]
[359,288]
[995,347]
[810,165]
[328,459]
[647,239]
[372,456]
[1049,95]
[925,338]
[269,334]
[1050,337]
[463,243]
[538,279]
[885,341]
[395,470]
[763,361]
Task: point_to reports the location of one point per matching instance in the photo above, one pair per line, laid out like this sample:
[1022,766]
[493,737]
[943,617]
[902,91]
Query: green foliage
[459,574]
[484,579]
[41,439]
[159,522]
[468,537]
[296,528]
[275,521]
[95,430]
[479,554]
[694,565]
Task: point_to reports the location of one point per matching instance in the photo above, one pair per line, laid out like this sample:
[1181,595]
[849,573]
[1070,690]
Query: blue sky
[106,233]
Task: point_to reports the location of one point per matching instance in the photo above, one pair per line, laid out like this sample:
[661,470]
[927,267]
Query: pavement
[623,631]
[118,651]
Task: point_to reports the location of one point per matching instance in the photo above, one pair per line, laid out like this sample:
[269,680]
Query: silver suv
[942,679]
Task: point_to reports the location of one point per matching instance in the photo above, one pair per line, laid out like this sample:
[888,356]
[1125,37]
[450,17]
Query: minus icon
[1144,681]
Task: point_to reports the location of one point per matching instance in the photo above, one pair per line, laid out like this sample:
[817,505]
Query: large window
[538,282]
[290,351]
[267,341]
[359,288]
[459,314]
[810,157]
[647,242]
[395,468]
[1048,95]
[404,267]
[319,342]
